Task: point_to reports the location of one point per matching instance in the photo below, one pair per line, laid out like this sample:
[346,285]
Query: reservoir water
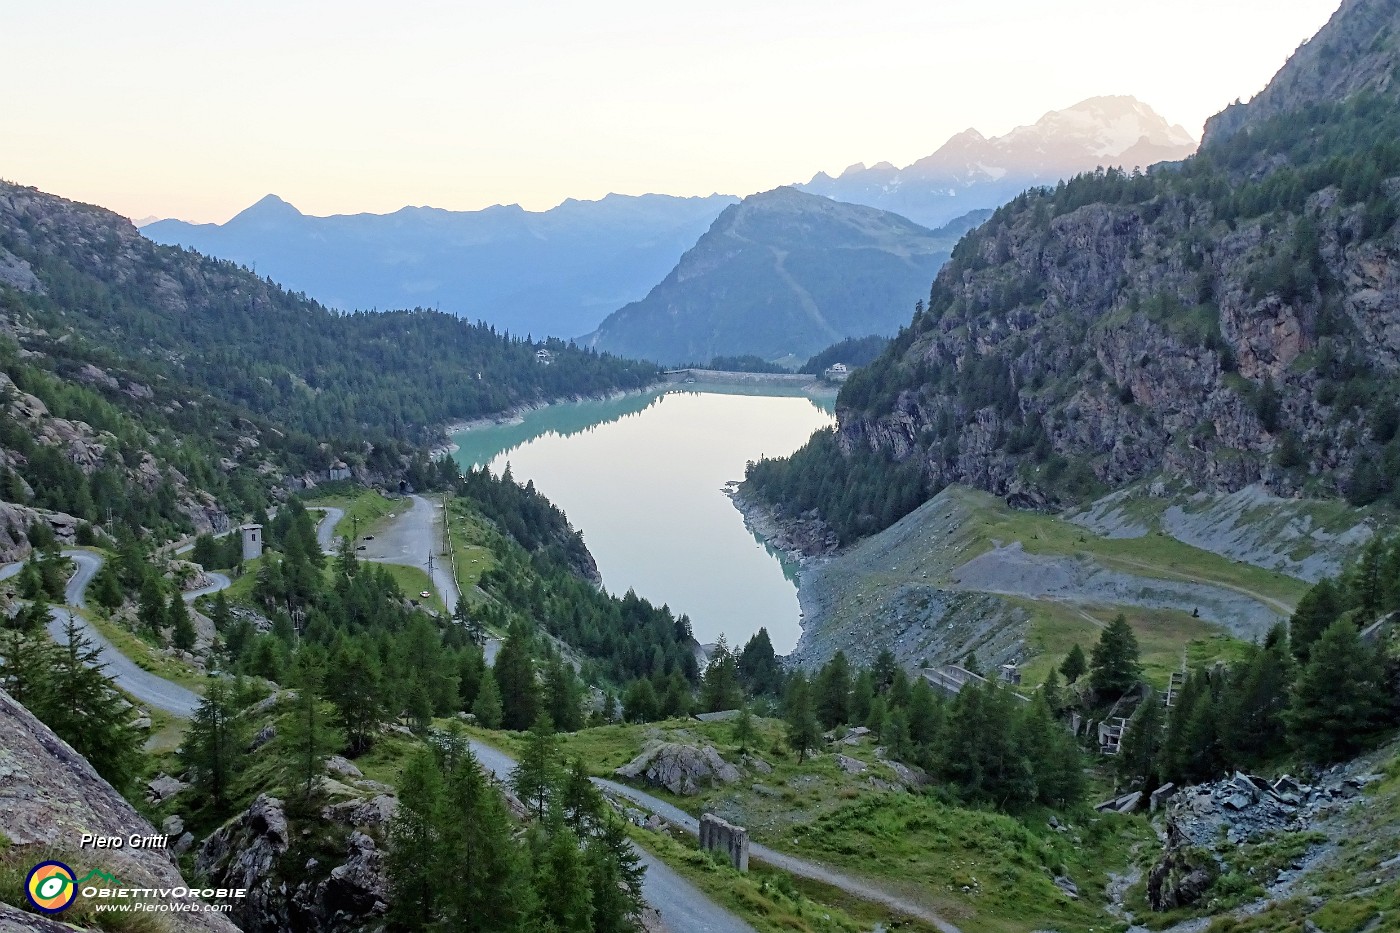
[642,477]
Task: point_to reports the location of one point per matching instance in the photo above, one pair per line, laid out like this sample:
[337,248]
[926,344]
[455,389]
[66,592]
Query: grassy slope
[985,871]
[928,547]
[1154,555]
[471,544]
[365,509]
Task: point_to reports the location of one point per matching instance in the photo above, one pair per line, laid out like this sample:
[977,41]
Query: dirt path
[1281,606]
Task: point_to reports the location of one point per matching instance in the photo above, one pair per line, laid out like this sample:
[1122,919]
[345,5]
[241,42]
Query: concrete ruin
[716,834]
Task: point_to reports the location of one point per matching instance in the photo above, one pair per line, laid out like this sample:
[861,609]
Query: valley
[1004,543]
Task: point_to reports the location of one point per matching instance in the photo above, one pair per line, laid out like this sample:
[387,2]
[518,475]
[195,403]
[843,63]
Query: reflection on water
[642,477]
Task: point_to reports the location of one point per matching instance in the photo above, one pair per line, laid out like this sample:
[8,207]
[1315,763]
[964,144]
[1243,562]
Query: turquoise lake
[643,477]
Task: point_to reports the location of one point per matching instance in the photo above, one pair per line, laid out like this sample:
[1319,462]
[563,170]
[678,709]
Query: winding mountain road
[144,687]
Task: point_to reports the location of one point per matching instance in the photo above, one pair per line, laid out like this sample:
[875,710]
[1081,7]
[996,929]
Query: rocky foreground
[51,796]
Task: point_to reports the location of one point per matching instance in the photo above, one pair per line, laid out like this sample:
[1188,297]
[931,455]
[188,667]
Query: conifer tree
[219,613]
[721,690]
[215,746]
[1319,608]
[106,587]
[1254,702]
[515,677]
[639,704]
[579,799]
[356,692]
[833,691]
[152,605]
[1338,700]
[803,731]
[537,776]
[491,877]
[415,859]
[310,735]
[744,732]
[177,615]
[564,895]
[1075,665]
[1139,754]
[877,717]
[487,706]
[420,707]
[87,711]
[564,696]
[25,660]
[758,665]
[616,872]
[1114,668]
[925,713]
[1051,690]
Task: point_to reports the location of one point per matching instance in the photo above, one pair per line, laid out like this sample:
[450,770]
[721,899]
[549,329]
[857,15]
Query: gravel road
[325,529]
[683,907]
[788,863]
[409,537]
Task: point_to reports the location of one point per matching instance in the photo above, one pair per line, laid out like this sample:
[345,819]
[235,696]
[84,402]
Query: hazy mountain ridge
[970,171]
[781,274]
[555,272]
[1231,321]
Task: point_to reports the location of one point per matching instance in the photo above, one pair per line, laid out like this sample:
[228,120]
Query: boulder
[51,795]
[338,765]
[373,813]
[266,734]
[681,769]
[850,765]
[162,787]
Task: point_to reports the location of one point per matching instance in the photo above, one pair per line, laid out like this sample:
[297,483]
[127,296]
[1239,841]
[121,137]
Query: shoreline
[517,415]
[783,535]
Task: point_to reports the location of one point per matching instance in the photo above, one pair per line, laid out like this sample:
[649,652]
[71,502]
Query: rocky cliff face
[321,875]
[1232,321]
[52,795]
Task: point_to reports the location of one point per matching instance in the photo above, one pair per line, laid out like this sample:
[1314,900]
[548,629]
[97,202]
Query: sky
[172,108]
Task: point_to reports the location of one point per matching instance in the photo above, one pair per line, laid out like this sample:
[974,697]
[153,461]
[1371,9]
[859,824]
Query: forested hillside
[1232,320]
[176,389]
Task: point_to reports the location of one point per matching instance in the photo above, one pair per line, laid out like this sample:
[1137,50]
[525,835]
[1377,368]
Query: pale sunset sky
[197,109]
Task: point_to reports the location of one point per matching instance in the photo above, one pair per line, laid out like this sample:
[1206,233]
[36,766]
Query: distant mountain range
[562,271]
[784,274]
[555,272]
[971,171]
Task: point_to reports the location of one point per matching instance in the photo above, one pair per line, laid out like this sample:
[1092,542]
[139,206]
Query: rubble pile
[1244,808]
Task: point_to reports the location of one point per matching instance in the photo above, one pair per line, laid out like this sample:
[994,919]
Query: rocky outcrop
[681,769]
[15,522]
[1123,327]
[325,875]
[52,795]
